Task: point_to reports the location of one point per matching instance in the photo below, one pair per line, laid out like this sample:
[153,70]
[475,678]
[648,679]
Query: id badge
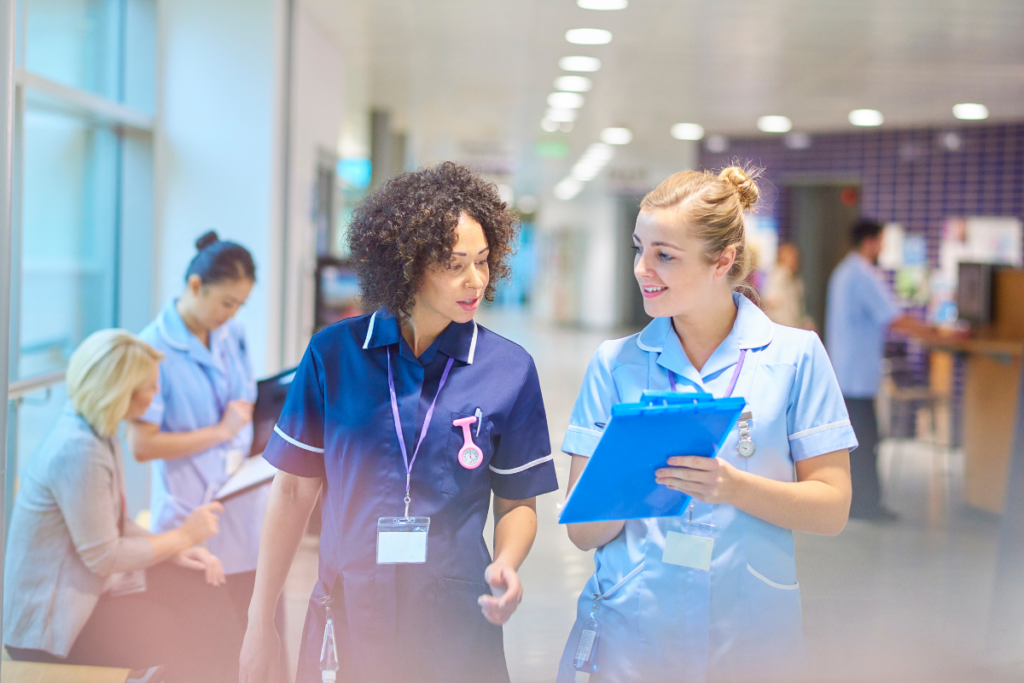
[402,540]
[692,549]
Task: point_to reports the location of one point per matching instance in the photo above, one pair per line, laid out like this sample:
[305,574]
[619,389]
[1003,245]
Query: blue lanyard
[732,382]
[423,430]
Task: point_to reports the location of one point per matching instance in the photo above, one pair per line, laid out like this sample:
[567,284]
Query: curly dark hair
[409,224]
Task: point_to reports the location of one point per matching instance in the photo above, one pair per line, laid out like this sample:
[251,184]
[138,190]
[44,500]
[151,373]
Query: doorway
[820,218]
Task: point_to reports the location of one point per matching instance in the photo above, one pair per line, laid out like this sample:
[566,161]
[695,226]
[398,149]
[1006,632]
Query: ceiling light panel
[969,111]
[561,115]
[588,36]
[617,136]
[565,100]
[573,83]
[568,188]
[577,63]
[774,124]
[604,5]
[866,117]
[687,131]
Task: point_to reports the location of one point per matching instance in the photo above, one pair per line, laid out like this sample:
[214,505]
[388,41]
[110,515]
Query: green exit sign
[552,149]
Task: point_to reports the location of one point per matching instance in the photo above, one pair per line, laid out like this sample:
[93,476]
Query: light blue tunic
[671,623]
[195,384]
[860,309]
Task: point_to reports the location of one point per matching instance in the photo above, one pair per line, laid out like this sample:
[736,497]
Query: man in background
[860,311]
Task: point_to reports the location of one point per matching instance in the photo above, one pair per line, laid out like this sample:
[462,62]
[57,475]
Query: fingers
[215,507]
[696,462]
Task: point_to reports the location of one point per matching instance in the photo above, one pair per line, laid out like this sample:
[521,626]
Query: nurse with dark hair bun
[199,427]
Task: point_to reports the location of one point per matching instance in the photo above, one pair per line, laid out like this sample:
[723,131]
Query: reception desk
[991,382]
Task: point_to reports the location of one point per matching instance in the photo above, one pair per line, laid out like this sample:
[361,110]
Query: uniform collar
[752,330]
[458,340]
[176,335]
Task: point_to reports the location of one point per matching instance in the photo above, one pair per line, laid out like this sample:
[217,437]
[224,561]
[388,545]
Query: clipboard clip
[674,398]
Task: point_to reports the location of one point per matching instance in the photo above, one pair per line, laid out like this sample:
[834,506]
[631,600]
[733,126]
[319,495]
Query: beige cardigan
[68,534]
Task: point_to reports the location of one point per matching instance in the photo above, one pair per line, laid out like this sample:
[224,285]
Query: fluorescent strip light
[603,5]
[617,136]
[561,115]
[774,124]
[866,117]
[687,131]
[969,111]
[565,100]
[588,36]
[573,83]
[584,64]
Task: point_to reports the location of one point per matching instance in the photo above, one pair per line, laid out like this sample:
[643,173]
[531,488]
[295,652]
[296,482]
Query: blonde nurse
[664,614]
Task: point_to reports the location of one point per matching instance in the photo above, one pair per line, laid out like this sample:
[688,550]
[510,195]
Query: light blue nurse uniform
[672,623]
[196,383]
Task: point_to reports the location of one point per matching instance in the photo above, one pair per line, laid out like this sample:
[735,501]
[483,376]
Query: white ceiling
[480,70]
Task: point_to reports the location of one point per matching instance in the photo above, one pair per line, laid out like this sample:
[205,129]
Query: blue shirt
[196,383]
[418,620]
[860,309]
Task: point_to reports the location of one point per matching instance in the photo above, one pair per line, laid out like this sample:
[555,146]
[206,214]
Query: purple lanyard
[732,382]
[423,429]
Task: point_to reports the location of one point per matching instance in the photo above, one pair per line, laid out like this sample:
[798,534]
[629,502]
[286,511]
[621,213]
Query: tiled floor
[902,602]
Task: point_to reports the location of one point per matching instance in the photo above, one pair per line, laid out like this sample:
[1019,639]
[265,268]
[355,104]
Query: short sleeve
[817,420]
[522,464]
[297,444]
[593,407]
[155,413]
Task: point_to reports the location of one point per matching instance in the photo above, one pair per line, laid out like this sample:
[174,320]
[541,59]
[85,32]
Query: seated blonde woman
[83,583]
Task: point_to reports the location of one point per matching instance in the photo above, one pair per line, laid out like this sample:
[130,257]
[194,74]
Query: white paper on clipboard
[255,471]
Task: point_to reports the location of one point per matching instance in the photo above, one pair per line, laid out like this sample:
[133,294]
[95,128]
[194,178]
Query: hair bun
[744,182]
[206,240]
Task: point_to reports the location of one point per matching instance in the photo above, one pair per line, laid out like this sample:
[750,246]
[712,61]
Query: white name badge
[402,540]
[690,551]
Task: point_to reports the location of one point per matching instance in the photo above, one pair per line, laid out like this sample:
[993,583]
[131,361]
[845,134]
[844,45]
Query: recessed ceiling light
[774,124]
[617,136]
[588,36]
[687,131]
[565,100]
[561,115]
[549,125]
[586,64]
[602,4]
[573,83]
[969,111]
[567,188]
[866,117]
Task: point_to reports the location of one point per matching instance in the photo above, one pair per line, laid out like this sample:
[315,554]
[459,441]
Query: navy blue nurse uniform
[410,622]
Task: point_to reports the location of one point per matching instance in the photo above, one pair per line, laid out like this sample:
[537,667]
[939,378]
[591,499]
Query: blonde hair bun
[744,180]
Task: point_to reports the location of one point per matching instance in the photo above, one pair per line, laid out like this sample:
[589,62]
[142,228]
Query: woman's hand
[261,650]
[236,415]
[507,593]
[201,559]
[202,523]
[709,480]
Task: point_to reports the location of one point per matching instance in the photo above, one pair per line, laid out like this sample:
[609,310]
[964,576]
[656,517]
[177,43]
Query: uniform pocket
[456,477]
[468,647]
[773,634]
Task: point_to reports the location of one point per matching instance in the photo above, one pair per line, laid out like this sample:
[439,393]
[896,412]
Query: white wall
[218,148]
[317,95]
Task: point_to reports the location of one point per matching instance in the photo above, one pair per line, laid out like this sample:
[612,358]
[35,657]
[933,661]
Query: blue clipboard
[618,482]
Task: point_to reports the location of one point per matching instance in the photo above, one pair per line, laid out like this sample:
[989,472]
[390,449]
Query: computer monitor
[974,293]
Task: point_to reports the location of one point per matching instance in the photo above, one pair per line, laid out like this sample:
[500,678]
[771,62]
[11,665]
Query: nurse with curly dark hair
[407,420]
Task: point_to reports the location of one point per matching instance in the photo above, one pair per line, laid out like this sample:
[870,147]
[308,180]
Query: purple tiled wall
[916,177]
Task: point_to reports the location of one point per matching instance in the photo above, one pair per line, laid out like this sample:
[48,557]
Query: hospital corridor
[512,341]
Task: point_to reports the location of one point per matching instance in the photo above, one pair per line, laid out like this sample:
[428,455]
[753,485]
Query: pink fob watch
[470,456]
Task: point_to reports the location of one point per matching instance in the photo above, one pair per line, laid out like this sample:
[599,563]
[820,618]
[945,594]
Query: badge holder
[402,540]
[692,547]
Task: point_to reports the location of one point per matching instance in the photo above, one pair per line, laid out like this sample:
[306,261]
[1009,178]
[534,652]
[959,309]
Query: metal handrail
[24,387]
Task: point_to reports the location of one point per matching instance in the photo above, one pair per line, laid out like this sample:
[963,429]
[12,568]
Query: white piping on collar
[472,345]
[369,330]
[167,337]
[765,342]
